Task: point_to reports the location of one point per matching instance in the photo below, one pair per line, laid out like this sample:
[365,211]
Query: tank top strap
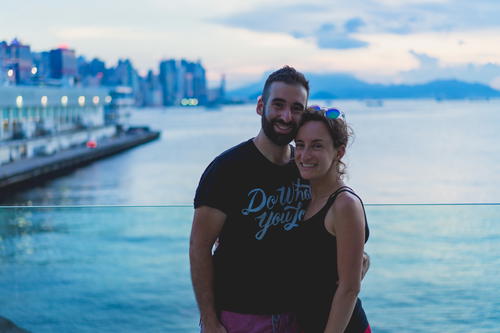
[334,195]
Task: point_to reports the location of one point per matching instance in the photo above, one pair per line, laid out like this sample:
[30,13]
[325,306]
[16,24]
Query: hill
[344,86]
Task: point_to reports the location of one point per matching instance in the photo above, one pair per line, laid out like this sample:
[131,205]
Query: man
[248,198]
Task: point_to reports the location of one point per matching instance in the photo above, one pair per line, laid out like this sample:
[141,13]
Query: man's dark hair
[287,75]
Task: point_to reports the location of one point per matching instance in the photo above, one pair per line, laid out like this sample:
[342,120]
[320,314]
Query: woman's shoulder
[347,200]
[347,208]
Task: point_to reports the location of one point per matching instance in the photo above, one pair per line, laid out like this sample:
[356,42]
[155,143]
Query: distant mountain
[332,86]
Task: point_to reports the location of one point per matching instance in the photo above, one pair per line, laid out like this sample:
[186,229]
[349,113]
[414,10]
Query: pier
[46,131]
[23,171]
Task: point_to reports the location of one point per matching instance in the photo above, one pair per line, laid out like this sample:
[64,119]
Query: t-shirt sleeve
[214,187]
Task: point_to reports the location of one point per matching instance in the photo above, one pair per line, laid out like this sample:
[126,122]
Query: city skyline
[178,82]
[380,41]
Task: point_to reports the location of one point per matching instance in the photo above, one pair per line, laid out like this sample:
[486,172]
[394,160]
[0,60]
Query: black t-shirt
[254,264]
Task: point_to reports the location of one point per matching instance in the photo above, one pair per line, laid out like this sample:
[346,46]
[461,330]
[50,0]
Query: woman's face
[315,155]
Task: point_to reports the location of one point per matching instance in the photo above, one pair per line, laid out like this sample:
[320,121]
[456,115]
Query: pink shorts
[250,323]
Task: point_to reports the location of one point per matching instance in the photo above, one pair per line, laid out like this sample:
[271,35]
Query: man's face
[282,112]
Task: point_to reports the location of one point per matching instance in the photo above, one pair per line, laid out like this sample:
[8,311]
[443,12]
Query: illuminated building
[63,65]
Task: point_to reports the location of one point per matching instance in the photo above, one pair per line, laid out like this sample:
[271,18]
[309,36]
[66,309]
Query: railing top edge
[191,206]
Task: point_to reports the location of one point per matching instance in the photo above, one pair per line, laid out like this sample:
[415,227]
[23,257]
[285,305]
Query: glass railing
[435,268]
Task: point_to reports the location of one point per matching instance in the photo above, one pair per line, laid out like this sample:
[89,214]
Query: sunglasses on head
[331,113]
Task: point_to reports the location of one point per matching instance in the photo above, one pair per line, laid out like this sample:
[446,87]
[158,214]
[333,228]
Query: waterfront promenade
[24,170]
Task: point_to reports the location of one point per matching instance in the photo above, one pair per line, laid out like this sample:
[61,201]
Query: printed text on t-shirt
[282,207]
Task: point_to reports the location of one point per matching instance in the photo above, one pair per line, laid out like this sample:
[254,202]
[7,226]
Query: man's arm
[207,225]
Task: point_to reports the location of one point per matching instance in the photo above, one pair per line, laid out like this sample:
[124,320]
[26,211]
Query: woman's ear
[340,152]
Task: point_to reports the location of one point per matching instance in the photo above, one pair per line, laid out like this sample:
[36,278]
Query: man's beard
[277,138]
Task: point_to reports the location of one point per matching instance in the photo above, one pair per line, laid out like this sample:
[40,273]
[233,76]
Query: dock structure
[45,131]
[22,171]
[37,121]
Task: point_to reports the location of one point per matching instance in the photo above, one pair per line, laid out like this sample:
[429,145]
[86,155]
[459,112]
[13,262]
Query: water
[434,269]
[96,269]
[125,268]
[408,151]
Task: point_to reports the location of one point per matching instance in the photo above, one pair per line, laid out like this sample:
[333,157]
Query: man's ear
[260,106]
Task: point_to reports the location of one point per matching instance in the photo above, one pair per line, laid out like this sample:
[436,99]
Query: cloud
[328,37]
[425,60]
[418,16]
[370,16]
[430,68]
[284,18]
[353,25]
[302,21]
[340,43]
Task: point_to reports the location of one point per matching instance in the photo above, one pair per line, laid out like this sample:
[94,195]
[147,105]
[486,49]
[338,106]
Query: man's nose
[286,115]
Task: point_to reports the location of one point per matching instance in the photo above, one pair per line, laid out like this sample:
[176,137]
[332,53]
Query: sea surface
[106,247]
[406,151]
[125,269]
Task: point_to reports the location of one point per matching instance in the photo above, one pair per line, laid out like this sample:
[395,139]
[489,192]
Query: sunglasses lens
[315,107]
[332,113]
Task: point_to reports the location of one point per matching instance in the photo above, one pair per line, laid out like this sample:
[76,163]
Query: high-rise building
[193,81]
[183,80]
[169,82]
[91,73]
[179,82]
[186,79]
[151,90]
[17,62]
[41,64]
[63,65]
[97,67]
[199,83]
[3,57]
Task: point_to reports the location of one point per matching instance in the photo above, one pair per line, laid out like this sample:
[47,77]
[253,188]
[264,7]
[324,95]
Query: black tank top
[318,272]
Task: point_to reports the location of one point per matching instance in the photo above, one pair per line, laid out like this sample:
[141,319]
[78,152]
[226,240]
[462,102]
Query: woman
[334,229]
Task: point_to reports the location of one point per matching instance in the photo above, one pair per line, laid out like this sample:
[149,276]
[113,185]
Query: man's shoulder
[235,154]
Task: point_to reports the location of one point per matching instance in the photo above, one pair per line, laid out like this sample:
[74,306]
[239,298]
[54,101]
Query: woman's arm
[347,222]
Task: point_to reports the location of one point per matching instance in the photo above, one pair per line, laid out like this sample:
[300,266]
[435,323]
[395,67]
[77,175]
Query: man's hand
[366,265]
[207,224]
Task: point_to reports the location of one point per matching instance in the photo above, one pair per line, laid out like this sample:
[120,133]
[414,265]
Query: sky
[379,41]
